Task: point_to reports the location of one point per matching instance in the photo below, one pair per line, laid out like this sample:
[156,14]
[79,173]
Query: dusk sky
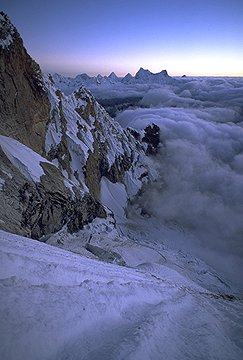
[183,36]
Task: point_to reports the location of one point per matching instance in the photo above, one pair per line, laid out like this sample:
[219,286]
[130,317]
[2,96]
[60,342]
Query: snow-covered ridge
[83,144]
[74,144]
[68,84]
[89,134]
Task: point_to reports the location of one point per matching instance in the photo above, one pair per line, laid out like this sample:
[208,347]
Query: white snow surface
[114,196]
[60,305]
[23,158]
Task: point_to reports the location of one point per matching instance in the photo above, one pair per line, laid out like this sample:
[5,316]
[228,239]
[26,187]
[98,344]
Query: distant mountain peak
[113,75]
[142,73]
[113,78]
[82,76]
[143,76]
[163,72]
[128,79]
[142,70]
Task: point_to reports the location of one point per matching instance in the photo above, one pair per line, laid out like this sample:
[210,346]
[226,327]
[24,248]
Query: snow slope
[59,305]
[23,158]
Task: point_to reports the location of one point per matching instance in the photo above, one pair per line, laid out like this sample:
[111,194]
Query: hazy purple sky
[99,36]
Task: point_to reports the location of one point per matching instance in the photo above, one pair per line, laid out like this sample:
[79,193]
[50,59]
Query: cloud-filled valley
[200,165]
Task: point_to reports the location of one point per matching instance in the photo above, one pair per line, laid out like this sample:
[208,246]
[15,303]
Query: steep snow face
[114,196]
[23,158]
[59,305]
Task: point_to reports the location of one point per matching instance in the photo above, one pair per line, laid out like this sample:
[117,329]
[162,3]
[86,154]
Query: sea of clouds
[200,162]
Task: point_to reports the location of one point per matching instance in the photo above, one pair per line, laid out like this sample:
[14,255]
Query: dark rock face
[24,104]
[119,167]
[152,138]
[134,133]
[84,211]
[94,169]
[37,209]
[32,208]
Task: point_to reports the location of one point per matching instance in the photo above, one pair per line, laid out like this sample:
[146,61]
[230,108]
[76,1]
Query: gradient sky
[99,36]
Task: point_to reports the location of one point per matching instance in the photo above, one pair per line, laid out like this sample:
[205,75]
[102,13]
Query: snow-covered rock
[67,140]
[36,198]
[87,143]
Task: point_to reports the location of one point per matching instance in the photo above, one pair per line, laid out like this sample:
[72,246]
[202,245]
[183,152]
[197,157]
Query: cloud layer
[201,166]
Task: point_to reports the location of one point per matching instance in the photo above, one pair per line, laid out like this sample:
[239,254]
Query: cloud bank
[201,167]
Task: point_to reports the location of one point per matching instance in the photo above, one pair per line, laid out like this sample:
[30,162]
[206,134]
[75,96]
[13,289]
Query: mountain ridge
[142,76]
[69,140]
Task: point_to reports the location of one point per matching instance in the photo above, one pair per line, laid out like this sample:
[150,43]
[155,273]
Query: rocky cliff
[24,104]
[56,149]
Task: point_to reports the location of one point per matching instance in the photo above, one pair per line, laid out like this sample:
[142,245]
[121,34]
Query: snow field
[59,305]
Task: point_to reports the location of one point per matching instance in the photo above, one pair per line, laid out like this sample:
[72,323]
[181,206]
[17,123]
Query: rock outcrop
[37,208]
[24,104]
[152,138]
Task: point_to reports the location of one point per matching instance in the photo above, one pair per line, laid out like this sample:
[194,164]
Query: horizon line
[66,74]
